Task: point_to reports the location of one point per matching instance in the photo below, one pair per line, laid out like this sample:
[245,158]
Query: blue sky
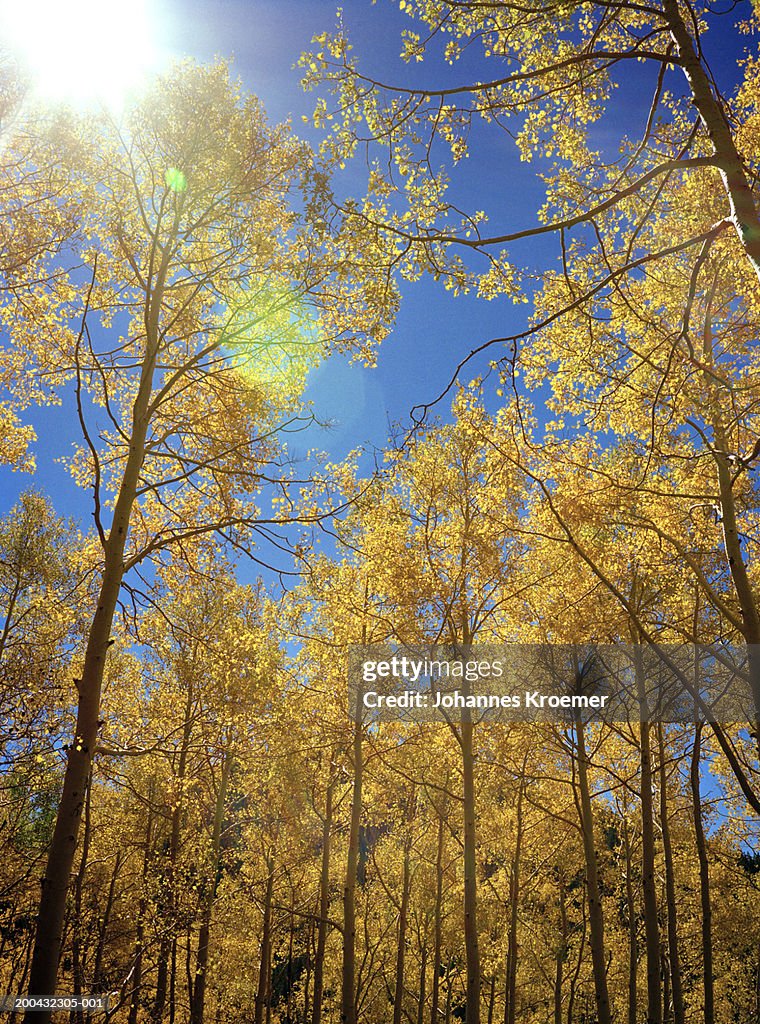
[265,40]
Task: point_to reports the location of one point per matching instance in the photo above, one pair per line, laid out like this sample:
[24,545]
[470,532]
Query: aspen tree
[197,301]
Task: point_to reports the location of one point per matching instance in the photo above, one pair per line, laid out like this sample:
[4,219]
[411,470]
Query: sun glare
[81,52]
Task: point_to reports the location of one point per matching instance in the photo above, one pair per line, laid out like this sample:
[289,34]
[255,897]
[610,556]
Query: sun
[81,52]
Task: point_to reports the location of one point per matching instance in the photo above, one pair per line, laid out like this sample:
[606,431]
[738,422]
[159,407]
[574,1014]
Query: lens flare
[176,180]
[81,52]
[271,337]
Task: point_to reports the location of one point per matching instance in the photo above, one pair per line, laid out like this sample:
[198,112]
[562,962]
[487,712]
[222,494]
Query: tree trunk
[491,999]
[198,996]
[289,976]
[169,923]
[398,995]
[561,955]
[306,1012]
[173,982]
[324,906]
[47,946]
[265,960]
[134,1003]
[573,987]
[633,942]
[595,915]
[510,995]
[348,980]
[423,986]
[472,952]
[676,983]
[437,923]
[648,879]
